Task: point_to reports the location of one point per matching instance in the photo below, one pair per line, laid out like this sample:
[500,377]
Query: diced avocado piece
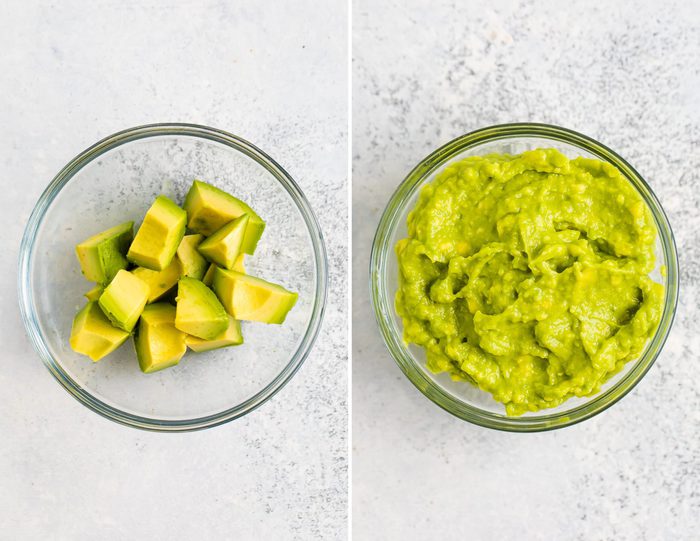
[209,275]
[239,264]
[123,300]
[230,337]
[159,282]
[224,246]
[159,236]
[192,262]
[102,255]
[93,335]
[158,343]
[252,299]
[94,293]
[209,209]
[199,312]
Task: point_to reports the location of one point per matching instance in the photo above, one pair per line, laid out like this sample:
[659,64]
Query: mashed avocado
[528,276]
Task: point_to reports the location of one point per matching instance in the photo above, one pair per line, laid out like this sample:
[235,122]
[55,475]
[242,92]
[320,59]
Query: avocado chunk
[159,282]
[224,246]
[94,293]
[209,209]
[252,299]
[123,300]
[199,312]
[159,236]
[93,335]
[102,255]
[230,337]
[158,343]
[192,262]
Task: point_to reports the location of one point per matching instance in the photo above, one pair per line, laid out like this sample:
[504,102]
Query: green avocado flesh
[103,255]
[94,293]
[93,334]
[192,262]
[159,236]
[528,276]
[123,300]
[199,312]
[224,246]
[252,299]
[209,209]
[159,282]
[156,284]
[158,343]
[230,337]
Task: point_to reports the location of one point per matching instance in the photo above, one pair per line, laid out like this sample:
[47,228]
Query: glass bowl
[461,398]
[116,180]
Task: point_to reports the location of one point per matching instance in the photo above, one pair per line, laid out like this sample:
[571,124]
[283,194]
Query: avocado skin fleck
[528,276]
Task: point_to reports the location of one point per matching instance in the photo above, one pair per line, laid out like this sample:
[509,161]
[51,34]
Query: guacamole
[528,276]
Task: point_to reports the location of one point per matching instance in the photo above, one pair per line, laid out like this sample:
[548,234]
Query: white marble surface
[626,73]
[74,72]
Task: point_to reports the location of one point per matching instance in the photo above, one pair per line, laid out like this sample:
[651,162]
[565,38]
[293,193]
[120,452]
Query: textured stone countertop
[74,72]
[625,73]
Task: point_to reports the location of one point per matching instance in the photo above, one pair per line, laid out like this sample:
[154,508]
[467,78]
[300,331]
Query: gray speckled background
[626,73]
[74,72]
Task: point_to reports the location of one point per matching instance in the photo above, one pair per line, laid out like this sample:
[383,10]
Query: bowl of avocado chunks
[173,290]
[203,269]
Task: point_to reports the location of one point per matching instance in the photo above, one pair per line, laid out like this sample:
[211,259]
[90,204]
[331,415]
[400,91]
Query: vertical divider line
[349,264]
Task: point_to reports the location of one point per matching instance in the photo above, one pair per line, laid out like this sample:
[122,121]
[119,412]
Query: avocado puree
[528,276]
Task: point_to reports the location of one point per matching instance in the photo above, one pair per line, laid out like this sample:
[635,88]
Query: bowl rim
[384,307]
[26,255]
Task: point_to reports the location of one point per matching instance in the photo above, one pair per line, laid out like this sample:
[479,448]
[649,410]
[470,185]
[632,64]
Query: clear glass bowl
[461,398]
[116,180]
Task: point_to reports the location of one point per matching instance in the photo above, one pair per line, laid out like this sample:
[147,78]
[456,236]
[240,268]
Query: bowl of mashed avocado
[524,277]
